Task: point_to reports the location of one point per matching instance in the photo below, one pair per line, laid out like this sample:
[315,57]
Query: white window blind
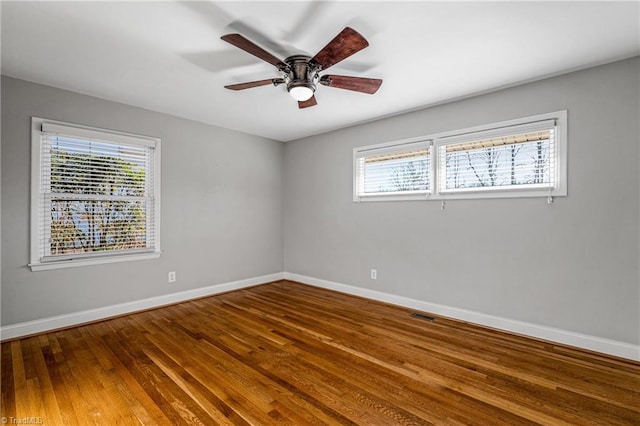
[403,169]
[515,157]
[522,157]
[97,195]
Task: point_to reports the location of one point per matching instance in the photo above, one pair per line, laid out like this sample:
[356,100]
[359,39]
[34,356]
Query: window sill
[467,195]
[44,266]
[500,193]
[392,197]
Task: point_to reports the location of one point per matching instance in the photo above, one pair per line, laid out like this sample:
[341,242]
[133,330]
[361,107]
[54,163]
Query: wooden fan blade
[250,47]
[345,44]
[308,103]
[249,85]
[357,84]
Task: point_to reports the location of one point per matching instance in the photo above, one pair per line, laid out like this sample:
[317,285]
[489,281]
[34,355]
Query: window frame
[93,133]
[457,136]
[389,147]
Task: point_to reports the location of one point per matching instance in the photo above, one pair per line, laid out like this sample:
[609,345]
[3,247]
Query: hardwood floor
[293,354]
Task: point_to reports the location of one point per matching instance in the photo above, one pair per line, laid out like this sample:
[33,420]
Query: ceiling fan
[301,73]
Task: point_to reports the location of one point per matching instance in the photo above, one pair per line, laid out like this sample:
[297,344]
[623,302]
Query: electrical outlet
[374,274]
[172,277]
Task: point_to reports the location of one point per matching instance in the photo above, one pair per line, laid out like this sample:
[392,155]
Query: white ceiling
[168,56]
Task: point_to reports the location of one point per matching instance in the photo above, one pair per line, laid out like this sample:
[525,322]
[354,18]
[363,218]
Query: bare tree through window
[494,163]
[97,201]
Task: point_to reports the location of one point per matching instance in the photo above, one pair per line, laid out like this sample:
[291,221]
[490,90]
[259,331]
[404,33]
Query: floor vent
[422,316]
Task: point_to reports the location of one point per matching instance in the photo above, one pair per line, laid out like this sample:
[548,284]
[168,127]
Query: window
[520,160]
[517,158]
[95,196]
[400,171]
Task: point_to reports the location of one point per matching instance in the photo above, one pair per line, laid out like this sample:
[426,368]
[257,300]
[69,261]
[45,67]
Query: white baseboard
[584,341]
[62,321]
[597,344]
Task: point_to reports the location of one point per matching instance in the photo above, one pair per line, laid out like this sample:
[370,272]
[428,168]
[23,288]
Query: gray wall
[221,207]
[572,265]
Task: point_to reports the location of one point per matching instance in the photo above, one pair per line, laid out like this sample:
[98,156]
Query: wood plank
[7,385]
[288,353]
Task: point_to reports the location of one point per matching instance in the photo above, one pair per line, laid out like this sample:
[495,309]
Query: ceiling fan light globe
[301,93]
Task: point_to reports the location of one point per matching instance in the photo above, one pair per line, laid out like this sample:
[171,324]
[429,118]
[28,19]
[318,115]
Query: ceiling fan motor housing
[302,78]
